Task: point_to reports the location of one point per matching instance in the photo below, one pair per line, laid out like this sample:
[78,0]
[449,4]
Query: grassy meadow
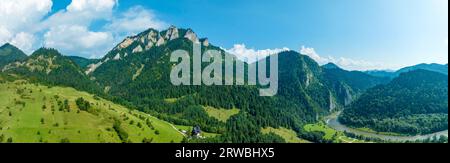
[289,135]
[31,113]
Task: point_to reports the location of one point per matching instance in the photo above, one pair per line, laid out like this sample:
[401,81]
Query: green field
[289,135]
[330,134]
[221,114]
[32,113]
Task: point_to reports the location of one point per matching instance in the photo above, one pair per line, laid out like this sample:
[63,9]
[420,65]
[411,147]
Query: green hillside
[50,67]
[9,54]
[414,103]
[137,73]
[82,62]
[35,113]
[221,114]
[141,77]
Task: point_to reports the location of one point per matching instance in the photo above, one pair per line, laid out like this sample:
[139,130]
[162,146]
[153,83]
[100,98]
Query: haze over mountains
[136,74]
[430,67]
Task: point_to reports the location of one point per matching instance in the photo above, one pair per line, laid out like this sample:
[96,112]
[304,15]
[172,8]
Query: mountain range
[430,67]
[50,67]
[136,74]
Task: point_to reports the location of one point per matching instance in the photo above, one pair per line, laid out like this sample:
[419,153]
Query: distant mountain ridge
[9,53]
[330,66]
[430,67]
[82,62]
[381,73]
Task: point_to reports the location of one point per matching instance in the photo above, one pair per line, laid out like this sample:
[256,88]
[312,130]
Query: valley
[127,97]
[332,121]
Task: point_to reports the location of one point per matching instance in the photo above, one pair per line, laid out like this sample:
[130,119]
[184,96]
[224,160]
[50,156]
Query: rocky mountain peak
[204,41]
[145,41]
[42,60]
[125,43]
[190,35]
[172,33]
[151,38]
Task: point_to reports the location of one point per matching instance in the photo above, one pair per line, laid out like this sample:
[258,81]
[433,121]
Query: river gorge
[333,122]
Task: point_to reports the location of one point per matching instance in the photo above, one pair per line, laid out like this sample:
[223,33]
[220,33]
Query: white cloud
[345,63]
[81,12]
[68,30]
[136,19]
[27,25]
[91,5]
[17,15]
[251,55]
[311,52]
[78,39]
[5,35]
[18,18]
[24,41]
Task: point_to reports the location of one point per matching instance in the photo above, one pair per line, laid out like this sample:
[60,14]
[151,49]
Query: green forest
[414,103]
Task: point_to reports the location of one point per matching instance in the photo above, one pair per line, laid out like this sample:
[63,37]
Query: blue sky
[356,34]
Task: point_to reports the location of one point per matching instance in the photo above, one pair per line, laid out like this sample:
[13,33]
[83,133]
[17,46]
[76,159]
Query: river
[334,123]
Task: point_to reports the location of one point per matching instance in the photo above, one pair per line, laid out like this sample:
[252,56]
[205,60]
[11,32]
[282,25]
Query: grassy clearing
[289,135]
[32,113]
[171,100]
[221,114]
[330,134]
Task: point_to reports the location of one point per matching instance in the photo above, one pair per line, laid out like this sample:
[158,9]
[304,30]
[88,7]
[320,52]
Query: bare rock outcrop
[190,35]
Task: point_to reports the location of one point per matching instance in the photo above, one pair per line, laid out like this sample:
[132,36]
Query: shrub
[83,104]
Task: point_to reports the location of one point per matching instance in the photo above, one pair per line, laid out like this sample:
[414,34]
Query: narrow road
[177,129]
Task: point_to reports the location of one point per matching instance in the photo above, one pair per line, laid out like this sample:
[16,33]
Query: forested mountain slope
[350,84]
[50,67]
[9,54]
[414,103]
[138,70]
